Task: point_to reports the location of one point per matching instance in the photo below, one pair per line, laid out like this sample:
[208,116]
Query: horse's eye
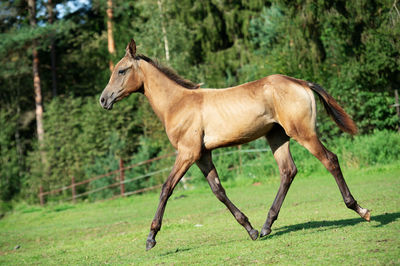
[122,72]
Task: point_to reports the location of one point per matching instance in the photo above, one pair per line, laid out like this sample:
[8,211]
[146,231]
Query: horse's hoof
[265,232]
[367,216]
[364,213]
[150,243]
[253,234]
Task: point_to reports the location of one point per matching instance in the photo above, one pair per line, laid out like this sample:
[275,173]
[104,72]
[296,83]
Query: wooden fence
[122,180]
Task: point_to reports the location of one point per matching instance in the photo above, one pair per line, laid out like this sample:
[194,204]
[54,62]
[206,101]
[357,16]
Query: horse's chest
[185,129]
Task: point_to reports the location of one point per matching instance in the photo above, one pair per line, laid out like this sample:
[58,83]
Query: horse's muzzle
[107,101]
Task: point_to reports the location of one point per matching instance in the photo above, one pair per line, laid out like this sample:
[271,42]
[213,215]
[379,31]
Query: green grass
[314,226]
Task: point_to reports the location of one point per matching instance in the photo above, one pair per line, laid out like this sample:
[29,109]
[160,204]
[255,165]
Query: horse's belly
[237,131]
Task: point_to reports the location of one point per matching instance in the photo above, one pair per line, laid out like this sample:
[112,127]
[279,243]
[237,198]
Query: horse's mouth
[107,103]
[110,105]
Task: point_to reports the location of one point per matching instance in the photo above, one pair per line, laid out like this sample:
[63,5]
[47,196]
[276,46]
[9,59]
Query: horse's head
[125,79]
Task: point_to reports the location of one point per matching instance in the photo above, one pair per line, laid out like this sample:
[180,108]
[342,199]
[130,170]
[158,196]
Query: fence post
[122,176]
[73,188]
[41,199]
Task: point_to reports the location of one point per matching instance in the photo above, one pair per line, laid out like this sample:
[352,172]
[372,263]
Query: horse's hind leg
[207,167]
[330,161]
[279,143]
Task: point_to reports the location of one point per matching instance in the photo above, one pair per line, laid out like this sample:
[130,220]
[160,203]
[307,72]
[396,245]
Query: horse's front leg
[182,163]
[207,167]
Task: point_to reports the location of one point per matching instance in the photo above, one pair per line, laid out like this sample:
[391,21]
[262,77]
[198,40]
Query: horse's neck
[162,93]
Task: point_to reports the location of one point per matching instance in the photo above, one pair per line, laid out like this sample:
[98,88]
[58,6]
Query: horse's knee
[219,192]
[288,174]
[165,191]
[220,195]
[333,161]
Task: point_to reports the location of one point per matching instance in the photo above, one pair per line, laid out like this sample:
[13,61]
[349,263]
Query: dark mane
[170,73]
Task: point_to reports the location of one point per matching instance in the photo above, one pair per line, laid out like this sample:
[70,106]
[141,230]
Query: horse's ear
[131,48]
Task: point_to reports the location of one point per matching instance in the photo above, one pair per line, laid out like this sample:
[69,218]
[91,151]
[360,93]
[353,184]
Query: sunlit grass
[314,226]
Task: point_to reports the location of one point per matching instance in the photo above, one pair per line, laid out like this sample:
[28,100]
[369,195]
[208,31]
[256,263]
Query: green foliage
[19,37]
[101,165]
[377,148]
[10,166]
[351,48]
[357,152]
[78,134]
[355,57]
[265,29]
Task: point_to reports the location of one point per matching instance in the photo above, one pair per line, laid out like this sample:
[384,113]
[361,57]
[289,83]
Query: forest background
[56,58]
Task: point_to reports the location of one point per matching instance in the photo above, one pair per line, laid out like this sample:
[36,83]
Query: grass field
[314,226]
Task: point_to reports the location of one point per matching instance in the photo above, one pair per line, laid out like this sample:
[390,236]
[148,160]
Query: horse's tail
[341,118]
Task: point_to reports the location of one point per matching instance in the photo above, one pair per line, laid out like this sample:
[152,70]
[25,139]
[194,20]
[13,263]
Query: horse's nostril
[102,100]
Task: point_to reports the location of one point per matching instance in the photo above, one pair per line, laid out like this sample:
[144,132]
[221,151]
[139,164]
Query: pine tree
[50,10]
[110,37]
[36,78]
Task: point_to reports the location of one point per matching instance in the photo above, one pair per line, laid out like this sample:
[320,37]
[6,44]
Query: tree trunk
[164,31]
[36,77]
[111,45]
[52,50]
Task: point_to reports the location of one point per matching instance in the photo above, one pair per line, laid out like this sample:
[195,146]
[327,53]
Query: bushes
[381,147]
[84,140]
[77,133]
[10,166]
[103,164]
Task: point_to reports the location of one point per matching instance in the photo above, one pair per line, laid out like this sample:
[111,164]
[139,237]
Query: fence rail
[122,180]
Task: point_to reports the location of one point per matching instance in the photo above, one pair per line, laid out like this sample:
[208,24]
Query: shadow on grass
[219,244]
[175,251]
[216,244]
[383,219]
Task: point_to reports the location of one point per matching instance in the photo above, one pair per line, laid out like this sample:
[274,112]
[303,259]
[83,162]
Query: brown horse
[200,120]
